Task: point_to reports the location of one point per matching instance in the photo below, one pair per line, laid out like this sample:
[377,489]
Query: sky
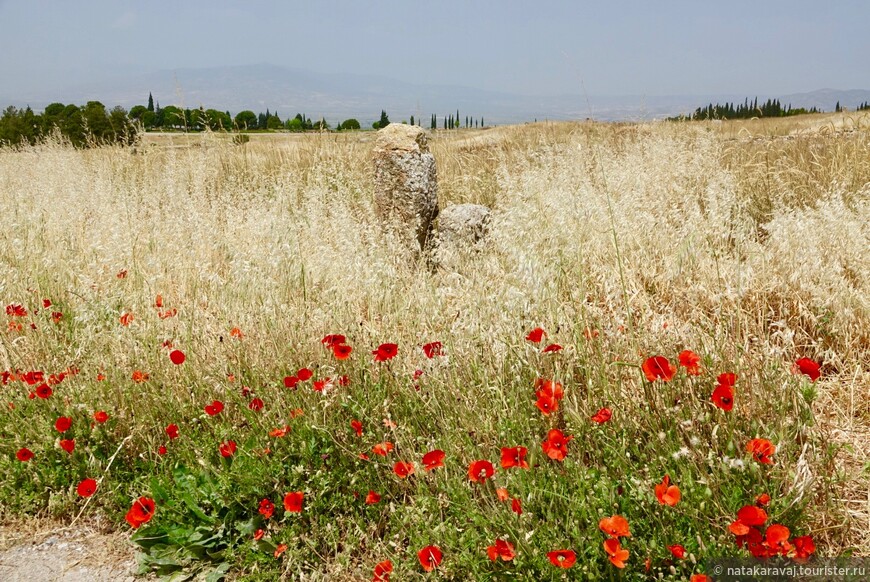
[549,47]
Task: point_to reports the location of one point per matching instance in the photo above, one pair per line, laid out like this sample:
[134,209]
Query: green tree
[172,117]
[150,102]
[246,119]
[350,124]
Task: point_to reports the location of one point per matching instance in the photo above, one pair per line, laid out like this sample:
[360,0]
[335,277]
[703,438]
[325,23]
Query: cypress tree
[150,103]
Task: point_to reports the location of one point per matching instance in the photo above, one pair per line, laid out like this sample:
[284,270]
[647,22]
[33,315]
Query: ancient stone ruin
[463,224]
[406,190]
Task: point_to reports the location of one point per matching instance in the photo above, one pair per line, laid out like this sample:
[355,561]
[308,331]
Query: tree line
[747,110]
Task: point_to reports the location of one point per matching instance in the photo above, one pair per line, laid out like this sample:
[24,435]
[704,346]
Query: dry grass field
[745,242]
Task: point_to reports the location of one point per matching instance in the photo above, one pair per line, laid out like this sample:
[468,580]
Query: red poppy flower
[723,397]
[14,326]
[516,506]
[700,578]
[691,362]
[214,408]
[678,551]
[761,450]
[590,334]
[666,493]
[547,404]
[68,445]
[514,457]
[552,349]
[122,274]
[236,333]
[279,549]
[141,512]
[658,368]
[762,499]
[357,427]
[776,539]
[56,317]
[502,494]
[304,374]
[433,459]
[266,509]
[615,526]
[333,339]
[101,416]
[16,310]
[549,388]
[502,549]
[24,454]
[291,381]
[616,553]
[727,379]
[279,432]
[372,497]
[256,404]
[321,385]
[167,314]
[87,488]
[341,351]
[751,515]
[804,547]
[227,448]
[432,349]
[602,416]
[809,368]
[556,445]
[162,450]
[172,431]
[139,376]
[382,570]
[403,469]
[480,471]
[126,319]
[177,357]
[536,335]
[258,535]
[44,391]
[430,557]
[33,377]
[385,352]
[562,558]
[293,501]
[382,448]
[62,424]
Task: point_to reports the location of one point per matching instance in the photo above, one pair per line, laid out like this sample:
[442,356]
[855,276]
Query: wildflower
[177,357]
[514,457]
[139,376]
[62,424]
[590,334]
[723,397]
[141,512]
[809,368]
[747,517]
[56,316]
[279,549]
[403,469]
[536,335]
[279,432]
[101,416]
[385,352]
[321,385]
[761,450]
[382,570]
[804,547]
[666,493]
[727,379]
[776,539]
[126,319]
[86,487]
[333,339]
[615,526]
[44,391]
[372,497]
[304,374]
[615,552]
[562,558]
[549,394]
[691,362]
[227,448]
[552,349]
[291,381]
[502,549]
[172,431]
[502,494]
[602,416]
[430,557]
[556,445]
[678,551]
[700,578]
[341,351]
[658,368]
[266,509]
[258,535]
[432,349]
[481,470]
[293,501]
[24,454]
[382,448]
[516,506]
[433,459]
[16,310]
[256,404]
[762,499]
[122,274]
[67,444]
[214,408]
[236,333]
[357,427]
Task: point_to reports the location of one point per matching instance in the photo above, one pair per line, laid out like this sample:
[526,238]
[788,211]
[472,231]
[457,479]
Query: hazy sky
[546,47]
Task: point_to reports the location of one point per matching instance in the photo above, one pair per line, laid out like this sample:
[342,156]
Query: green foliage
[246,119]
[349,124]
[746,110]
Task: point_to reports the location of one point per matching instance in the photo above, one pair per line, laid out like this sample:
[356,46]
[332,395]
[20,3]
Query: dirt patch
[36,552]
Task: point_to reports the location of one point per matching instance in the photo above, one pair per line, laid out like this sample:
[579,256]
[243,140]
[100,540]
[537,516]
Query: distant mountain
[288,91]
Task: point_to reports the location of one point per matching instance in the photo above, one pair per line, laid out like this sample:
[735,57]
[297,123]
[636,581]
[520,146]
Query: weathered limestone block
[406,188]
[463,224]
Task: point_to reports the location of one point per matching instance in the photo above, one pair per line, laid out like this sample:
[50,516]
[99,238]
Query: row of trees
[747,110]
[90,124]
